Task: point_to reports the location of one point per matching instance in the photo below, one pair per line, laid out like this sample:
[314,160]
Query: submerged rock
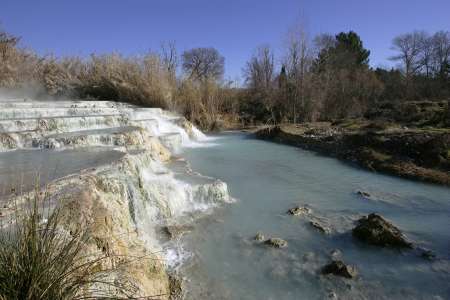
[375,230]
[320,227]
[276,243]
[175,231]
[259,237]
[428,254]
[335,254]
[332,295]
[299,210]
[363,194]
[339,268]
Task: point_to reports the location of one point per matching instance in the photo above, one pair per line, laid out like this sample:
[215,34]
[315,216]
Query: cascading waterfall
[157,195]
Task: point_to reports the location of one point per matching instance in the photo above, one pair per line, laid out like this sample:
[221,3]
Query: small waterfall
[176,198]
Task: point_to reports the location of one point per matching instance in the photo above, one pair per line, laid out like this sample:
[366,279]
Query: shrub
[137,80]
[39,260]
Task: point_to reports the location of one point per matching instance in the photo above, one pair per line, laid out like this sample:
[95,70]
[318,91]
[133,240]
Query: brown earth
[415,153]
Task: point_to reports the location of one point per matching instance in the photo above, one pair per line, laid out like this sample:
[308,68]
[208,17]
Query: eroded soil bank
[420,154]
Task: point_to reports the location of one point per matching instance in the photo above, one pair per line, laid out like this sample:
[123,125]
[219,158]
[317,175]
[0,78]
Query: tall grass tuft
[40,260]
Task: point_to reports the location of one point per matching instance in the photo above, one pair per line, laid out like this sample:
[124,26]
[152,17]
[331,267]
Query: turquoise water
[22,169]
[267,179]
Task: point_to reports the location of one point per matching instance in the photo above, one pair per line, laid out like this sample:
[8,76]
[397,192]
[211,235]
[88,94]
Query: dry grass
[142,80]
[40,260]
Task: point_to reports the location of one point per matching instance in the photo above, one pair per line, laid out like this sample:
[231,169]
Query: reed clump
[39,259]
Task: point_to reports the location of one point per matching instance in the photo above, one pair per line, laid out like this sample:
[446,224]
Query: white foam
[175,255]
[175,198]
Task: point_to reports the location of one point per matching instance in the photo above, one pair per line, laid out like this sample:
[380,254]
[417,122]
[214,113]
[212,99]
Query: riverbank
[419,154]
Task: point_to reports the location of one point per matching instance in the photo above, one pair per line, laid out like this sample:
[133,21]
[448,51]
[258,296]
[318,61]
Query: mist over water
[268,179]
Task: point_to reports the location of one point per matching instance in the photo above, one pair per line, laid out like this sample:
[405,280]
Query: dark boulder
[339,268]
[375,230]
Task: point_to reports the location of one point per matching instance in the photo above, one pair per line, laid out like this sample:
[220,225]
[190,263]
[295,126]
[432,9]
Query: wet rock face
[175,231]
[375,230]
[276,243]
[339,268]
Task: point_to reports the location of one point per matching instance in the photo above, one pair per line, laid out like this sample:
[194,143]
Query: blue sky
[234,27]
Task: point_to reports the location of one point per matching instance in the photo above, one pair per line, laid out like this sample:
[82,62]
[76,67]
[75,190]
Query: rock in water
[320,227]
[276,243]
[259,237]
[332,295]
[363,194]
[299,210]
[339,268]
[428,254]
[375,230]
[175,231]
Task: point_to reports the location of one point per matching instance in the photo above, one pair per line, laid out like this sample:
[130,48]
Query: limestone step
[151,125]
[61,123]
[26,103]
[45,112]
[145,113]
[124,136]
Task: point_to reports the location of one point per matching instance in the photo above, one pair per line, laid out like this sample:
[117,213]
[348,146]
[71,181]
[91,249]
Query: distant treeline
[323,78]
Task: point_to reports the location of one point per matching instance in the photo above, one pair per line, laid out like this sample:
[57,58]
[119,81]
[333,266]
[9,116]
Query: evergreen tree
[347,52]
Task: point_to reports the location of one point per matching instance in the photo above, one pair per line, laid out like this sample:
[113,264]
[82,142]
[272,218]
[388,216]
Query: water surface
[268,179]
[22,169]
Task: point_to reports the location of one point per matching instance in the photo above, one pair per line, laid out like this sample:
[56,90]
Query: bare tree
[169,57]
[426,52]
[441,53]
[259,74]
[408,46]
[297,59]
[203,64]
[260,70]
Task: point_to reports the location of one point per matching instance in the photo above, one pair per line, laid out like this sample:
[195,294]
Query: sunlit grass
[41,260]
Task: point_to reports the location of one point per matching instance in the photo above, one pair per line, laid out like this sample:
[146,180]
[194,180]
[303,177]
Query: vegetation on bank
[40,259]
[317,79]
